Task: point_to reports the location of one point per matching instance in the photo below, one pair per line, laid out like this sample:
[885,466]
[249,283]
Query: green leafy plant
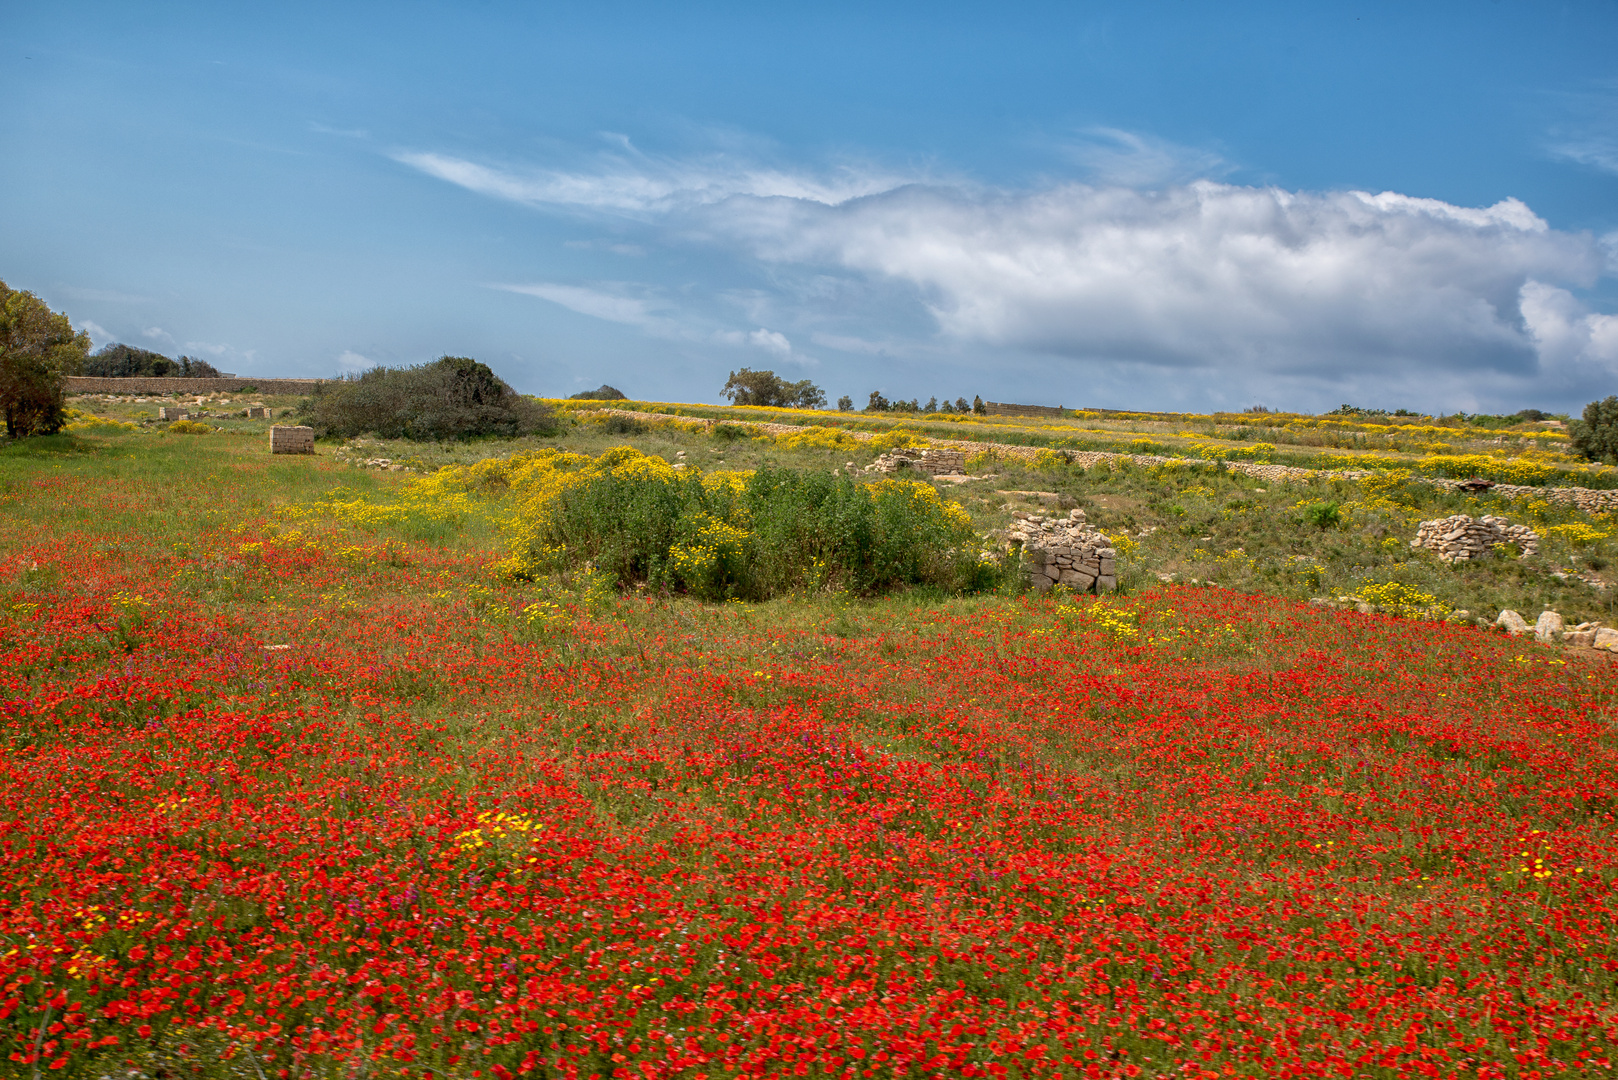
[1323,515]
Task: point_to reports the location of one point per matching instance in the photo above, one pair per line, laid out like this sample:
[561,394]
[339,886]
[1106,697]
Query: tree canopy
[38,349]
[122,361]
[1596,434]
[454,397]
[600,393]
[749,387]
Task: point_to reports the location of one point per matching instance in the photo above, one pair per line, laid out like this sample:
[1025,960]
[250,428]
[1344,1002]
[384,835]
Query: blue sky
[1175,205]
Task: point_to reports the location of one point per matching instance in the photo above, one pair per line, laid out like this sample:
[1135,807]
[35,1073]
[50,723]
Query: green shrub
[749,536]
[600,393]
[1596,434]
[454,397]
[1323,515]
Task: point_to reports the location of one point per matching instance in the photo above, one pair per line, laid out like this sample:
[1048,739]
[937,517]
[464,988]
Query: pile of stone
[1550,628]
[933,462]
[1064,551]
[1463,538]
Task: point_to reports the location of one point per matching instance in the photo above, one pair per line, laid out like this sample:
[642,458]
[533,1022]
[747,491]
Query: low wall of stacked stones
[1001,408]
[87,384]
[1589,500]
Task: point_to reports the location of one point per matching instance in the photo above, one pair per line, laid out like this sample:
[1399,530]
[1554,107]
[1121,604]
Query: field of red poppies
[292,795]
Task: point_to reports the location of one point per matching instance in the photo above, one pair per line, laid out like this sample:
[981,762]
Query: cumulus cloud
[350,362]
[1243,287]
[1201,275]
[99,335]
[157,333]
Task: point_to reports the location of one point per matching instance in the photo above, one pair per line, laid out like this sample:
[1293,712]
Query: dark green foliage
[1596,434]
[845,404]
[127,362]
[805,531]
[623,425]
[877,402]
[454,397]
[1323,515]
[728,433]
[38,349]
[600,393]
[978,406]
[749,387]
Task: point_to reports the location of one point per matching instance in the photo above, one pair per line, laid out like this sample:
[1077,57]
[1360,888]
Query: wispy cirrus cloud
[1588,132]
[1114,157]
[626,180]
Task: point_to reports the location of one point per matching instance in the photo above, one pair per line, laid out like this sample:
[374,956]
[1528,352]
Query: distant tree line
[749,387]
[128,362]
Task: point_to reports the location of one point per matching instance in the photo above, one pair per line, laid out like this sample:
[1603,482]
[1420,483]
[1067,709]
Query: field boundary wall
[1589,500]
[91,384]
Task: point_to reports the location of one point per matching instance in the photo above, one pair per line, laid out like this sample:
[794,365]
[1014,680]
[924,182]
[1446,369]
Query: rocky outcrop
[1064,551]
[1462,538]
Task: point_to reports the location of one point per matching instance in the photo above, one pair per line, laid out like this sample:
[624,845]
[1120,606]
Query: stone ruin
[1064,551]
[1551,628]
[292,440]
[256,412]
[932,461]
[169,412]
[1463,538]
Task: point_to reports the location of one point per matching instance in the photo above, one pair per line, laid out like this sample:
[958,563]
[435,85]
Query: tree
[38,349]
[845,404]
[122,361]
[961,405]
[1596,435]
[878,403]
[455,397]
[978,406]
[749,387]
[600,393]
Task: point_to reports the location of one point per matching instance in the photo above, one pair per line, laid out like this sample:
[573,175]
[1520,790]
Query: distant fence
[1000,408]
[89,384]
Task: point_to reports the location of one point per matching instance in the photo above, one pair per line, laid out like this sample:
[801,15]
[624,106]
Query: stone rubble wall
[942,462]
[89,384]
[292,440]
[1063,551]
[1001,408]
[1589,500]
[1462,538]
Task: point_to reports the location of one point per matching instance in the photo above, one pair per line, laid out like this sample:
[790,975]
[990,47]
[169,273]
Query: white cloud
[1205,275]
[351,361]
[1589,133]
[632,182]
[613,307]
[157,333]
[1114,157]
[770,341]
[1234,289]
[99,335]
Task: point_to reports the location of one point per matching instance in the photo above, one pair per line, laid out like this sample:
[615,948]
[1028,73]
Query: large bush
[452,398]
[748,535]
[1596,435]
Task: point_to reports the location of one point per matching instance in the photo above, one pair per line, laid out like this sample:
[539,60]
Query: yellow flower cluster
[1399,599]
[1576,533]
[492,827]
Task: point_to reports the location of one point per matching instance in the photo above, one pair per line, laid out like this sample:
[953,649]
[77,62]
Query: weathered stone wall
[933,462]
[1063,551]
[1001,408]
[1462,538]
[86,384]
[292,440]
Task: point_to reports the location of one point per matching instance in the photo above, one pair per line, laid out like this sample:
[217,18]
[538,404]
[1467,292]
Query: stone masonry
[1064,551]
[932,462]
[173,413]
[292,440]
[1463,538]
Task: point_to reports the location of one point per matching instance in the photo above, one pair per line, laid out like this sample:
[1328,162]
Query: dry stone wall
[88,384]
[1064,551]
[944,462]
[1462,538]
[292,440]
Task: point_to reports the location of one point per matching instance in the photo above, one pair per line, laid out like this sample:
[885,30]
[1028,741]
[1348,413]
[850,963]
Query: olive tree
[38,350]
[1596,435]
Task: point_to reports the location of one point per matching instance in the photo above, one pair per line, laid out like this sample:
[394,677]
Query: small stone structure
[1064,551]
[292,440]
[256,412]
[1001,408]
[1462,538]
[930,461]
[171,413]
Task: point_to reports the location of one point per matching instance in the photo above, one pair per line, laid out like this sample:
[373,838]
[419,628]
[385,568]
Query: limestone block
[1106,583]
[1548,628]
[1606,638]
[292,440]
[1586,638]
[1512,623]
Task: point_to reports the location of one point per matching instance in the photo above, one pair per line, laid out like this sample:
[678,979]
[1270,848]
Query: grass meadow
[301,783]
